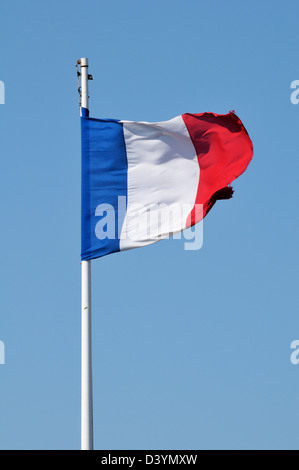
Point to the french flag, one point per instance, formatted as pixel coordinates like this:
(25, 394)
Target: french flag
(142, 182)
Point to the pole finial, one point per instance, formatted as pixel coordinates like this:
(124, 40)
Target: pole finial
(84, 62)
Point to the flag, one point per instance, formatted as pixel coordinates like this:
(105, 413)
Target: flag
(142, 181)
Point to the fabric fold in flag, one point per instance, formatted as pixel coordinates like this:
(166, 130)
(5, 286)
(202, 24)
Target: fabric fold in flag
(142, 182)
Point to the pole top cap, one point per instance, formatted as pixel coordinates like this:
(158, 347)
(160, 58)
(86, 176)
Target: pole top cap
(84, 62)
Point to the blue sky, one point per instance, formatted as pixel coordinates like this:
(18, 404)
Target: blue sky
(191, 350)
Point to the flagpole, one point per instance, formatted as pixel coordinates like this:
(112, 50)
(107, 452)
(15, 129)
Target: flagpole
(86, 349)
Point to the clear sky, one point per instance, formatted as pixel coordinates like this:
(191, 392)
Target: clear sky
(191, 350)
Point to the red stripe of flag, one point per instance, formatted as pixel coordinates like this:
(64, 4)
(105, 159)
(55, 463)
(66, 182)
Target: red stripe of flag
(224, 150)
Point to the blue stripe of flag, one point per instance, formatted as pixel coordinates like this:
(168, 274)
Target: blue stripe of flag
(104, 179)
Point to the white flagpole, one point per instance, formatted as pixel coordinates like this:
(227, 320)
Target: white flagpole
(86, 350)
